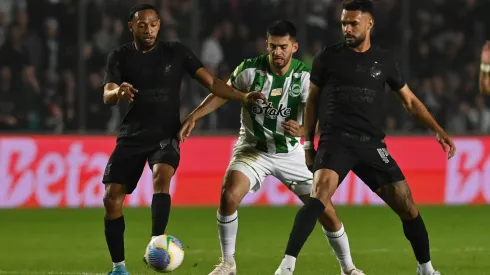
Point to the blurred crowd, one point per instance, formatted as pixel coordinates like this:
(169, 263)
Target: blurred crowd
(43, 88)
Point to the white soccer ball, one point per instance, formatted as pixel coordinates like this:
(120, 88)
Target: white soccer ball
(164, 254)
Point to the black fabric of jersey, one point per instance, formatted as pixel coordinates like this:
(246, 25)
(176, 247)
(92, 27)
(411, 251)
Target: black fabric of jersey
(352, 92)
(157, 75)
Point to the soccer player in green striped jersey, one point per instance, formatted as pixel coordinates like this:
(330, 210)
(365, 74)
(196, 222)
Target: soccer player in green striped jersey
(268, 143)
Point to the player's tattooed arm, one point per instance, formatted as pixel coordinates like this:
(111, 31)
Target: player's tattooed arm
(311, 112)
(418, 110)
(485, 69)
(219, 88)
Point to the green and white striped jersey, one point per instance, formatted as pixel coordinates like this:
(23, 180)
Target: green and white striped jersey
(261, 125)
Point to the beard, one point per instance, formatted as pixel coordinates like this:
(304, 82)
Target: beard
(280, 63)
(353, 41)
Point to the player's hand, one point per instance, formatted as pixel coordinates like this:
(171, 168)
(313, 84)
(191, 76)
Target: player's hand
(446, 141)
(126, 91)
(186, 129)
(293, 128)
(255, 98)
(485, 53)
(310, 155)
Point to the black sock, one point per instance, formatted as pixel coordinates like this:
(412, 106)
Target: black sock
(114, 236)
(416, 233)
(304, 223)
(160, 210)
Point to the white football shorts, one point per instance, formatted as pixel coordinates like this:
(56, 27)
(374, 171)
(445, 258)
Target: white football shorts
(289, 168)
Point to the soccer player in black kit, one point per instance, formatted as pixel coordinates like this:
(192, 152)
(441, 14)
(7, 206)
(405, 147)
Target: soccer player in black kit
(346, 95)
(148, 73)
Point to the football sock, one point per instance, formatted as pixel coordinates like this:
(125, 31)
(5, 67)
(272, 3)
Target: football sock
(340, 245)
(416, 233)
(228, 229)
(118, 264)
(114, 236)
(427, 268)
(160, 211)
(288, 262)
(304, 223)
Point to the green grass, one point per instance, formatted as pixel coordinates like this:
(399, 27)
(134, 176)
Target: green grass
(71, 241)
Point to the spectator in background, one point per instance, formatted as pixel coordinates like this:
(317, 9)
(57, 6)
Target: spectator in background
(15, 57)
(3, 29)
(212, 52)
(479, 116)
(9, 104)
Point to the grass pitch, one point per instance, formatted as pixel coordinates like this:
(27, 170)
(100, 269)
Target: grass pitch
(71, 241)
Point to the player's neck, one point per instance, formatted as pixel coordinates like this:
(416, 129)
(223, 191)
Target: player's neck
(141, 48)
(283, 71)
(364, 47)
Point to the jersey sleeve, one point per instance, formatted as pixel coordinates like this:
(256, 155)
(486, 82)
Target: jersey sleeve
(239, 79)
(112, 72)
(306, 87)
(318, 71)
(395, 78)
(190, 60)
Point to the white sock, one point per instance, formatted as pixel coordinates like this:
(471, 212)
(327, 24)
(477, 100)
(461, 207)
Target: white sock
(288, 262)
(427, 268)
(228, 229)
(114, 265)
(153, 237)
(340, 245)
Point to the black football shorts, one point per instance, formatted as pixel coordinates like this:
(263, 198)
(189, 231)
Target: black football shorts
(127, 162)
(373, 165)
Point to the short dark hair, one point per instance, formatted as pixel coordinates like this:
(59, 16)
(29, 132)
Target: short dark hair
(282, 28)
(140, 7)
(359, 5)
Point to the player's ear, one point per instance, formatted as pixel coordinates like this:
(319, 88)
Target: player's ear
(295, 46)
(370, 23)
(130, 26)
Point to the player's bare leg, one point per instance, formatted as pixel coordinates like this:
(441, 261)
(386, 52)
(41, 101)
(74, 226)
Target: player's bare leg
(337, 237)
(236, 186)
(114, 226)
(399, 197)
(319, 206)
(161, 201)
(325, 183)
(160, 204)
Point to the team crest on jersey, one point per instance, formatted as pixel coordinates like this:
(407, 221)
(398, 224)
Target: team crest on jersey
(294, 90)
(376, 70)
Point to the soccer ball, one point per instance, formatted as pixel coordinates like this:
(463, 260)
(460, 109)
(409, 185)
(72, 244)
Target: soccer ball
(164, 254)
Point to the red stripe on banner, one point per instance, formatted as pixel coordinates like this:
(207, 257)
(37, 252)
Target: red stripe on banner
(66, 171)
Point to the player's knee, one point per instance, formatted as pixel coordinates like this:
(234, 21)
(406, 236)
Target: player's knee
(325, 185)
(399, 196)
(230, 199)
(162, 176)
(113, 199)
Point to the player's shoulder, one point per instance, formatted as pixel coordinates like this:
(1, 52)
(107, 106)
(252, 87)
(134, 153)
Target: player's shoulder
(382, 54)
(123, 49)
(252, 64)
(330, 50)
(258, 62)
(334, 48)
(299, 66)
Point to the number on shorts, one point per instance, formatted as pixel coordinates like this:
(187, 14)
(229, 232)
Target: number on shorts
(383, 153)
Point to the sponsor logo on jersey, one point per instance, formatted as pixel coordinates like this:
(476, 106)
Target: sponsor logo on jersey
(270, 112)
(276, 92)
(294, 90)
